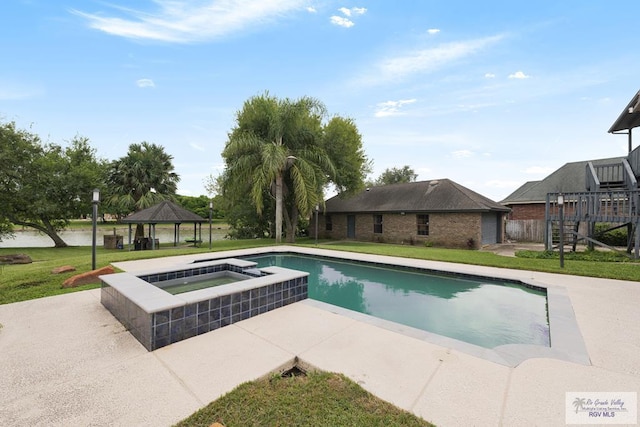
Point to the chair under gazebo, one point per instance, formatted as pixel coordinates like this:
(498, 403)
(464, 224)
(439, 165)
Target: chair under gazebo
(165, 212)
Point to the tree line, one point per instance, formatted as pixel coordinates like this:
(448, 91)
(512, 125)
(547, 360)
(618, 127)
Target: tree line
(45, 185)
(281, 157)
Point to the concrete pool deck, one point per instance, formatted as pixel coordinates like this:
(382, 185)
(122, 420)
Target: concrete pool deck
(67, 361)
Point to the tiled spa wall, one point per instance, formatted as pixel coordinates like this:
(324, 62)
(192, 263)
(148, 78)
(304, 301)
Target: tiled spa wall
(191, 272)
(156, 330)
(179, 323)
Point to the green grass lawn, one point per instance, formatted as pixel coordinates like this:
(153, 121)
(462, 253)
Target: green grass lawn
(27, 281)
(317, 399)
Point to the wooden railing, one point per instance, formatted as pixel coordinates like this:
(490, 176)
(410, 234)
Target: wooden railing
(613, 175)
(592, 181)
(630, 180)
(634, 161)
(610, 172)
(615, 206)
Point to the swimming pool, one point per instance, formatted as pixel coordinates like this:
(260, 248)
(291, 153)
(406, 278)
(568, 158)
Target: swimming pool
(476, 310)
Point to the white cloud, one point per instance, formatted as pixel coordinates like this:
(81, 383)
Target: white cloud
(518, 75)
(145, 83)
(341, 21)
(433, 30)
(345, 22)
(182, 21)
(425, 60)
(354, 10)
(392, 108)
(462, 154)
(490, 76)
(311, 9)
(196, 146)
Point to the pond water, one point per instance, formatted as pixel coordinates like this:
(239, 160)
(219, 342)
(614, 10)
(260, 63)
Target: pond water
(33, 239)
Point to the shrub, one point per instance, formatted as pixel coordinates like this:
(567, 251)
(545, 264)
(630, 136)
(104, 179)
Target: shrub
(617, 237)
(591, 256)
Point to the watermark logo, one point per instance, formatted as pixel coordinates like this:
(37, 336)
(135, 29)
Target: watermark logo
(601, 407)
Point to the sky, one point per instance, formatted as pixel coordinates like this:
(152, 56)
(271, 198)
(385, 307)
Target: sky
(488, 94)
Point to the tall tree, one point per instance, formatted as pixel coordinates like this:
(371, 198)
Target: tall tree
(279, 149)
(342, 141)
(397, 176)
(142, 178)
(42, 186)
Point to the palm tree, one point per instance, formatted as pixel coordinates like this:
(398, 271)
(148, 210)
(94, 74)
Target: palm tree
(141, 179)
(579, 403)
(276, 147)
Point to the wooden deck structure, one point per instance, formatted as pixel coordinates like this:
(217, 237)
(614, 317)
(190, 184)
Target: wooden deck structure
(611, 196)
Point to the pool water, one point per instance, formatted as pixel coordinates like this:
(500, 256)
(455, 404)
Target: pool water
(482, 312)
(188, 284)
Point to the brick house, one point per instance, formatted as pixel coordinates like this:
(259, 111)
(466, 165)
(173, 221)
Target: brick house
(528, 201)
(581, 181)
(526, 220)
(439, 212)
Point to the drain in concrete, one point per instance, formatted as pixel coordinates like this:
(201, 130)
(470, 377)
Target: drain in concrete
(296, 371)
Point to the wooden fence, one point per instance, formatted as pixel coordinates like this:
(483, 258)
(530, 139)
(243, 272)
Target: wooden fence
(525, 230)
(532, 230)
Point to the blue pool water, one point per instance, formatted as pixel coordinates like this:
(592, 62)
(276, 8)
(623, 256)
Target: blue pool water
(484, 312)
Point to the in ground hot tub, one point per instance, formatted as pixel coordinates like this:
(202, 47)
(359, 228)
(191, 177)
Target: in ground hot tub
(156, 317)
(194, 283)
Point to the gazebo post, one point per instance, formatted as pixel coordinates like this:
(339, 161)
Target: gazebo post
(129, 237)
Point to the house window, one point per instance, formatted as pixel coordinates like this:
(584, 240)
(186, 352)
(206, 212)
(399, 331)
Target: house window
(423, 225)
(328, 224)
(377, 224)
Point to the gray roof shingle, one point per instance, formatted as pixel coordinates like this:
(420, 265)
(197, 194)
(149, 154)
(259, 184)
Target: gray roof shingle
(442, 195)
(570, 178)
(164, 212)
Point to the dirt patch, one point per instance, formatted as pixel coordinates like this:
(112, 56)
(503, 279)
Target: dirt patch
(15, 259)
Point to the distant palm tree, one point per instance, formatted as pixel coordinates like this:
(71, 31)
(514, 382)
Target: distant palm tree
(141, 179)
(276, 148)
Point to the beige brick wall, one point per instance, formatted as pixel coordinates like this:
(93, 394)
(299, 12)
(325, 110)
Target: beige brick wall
(445, 229)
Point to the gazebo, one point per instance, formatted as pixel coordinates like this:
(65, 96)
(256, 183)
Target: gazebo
(165, 212)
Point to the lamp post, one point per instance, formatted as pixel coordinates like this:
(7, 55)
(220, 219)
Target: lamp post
(561, 213)
(317, 209)
(95, 199)
(210, 217)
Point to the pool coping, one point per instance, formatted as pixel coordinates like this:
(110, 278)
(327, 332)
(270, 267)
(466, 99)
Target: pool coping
(567, 342)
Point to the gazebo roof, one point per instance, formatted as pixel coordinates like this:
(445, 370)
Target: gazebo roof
(164, 212)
